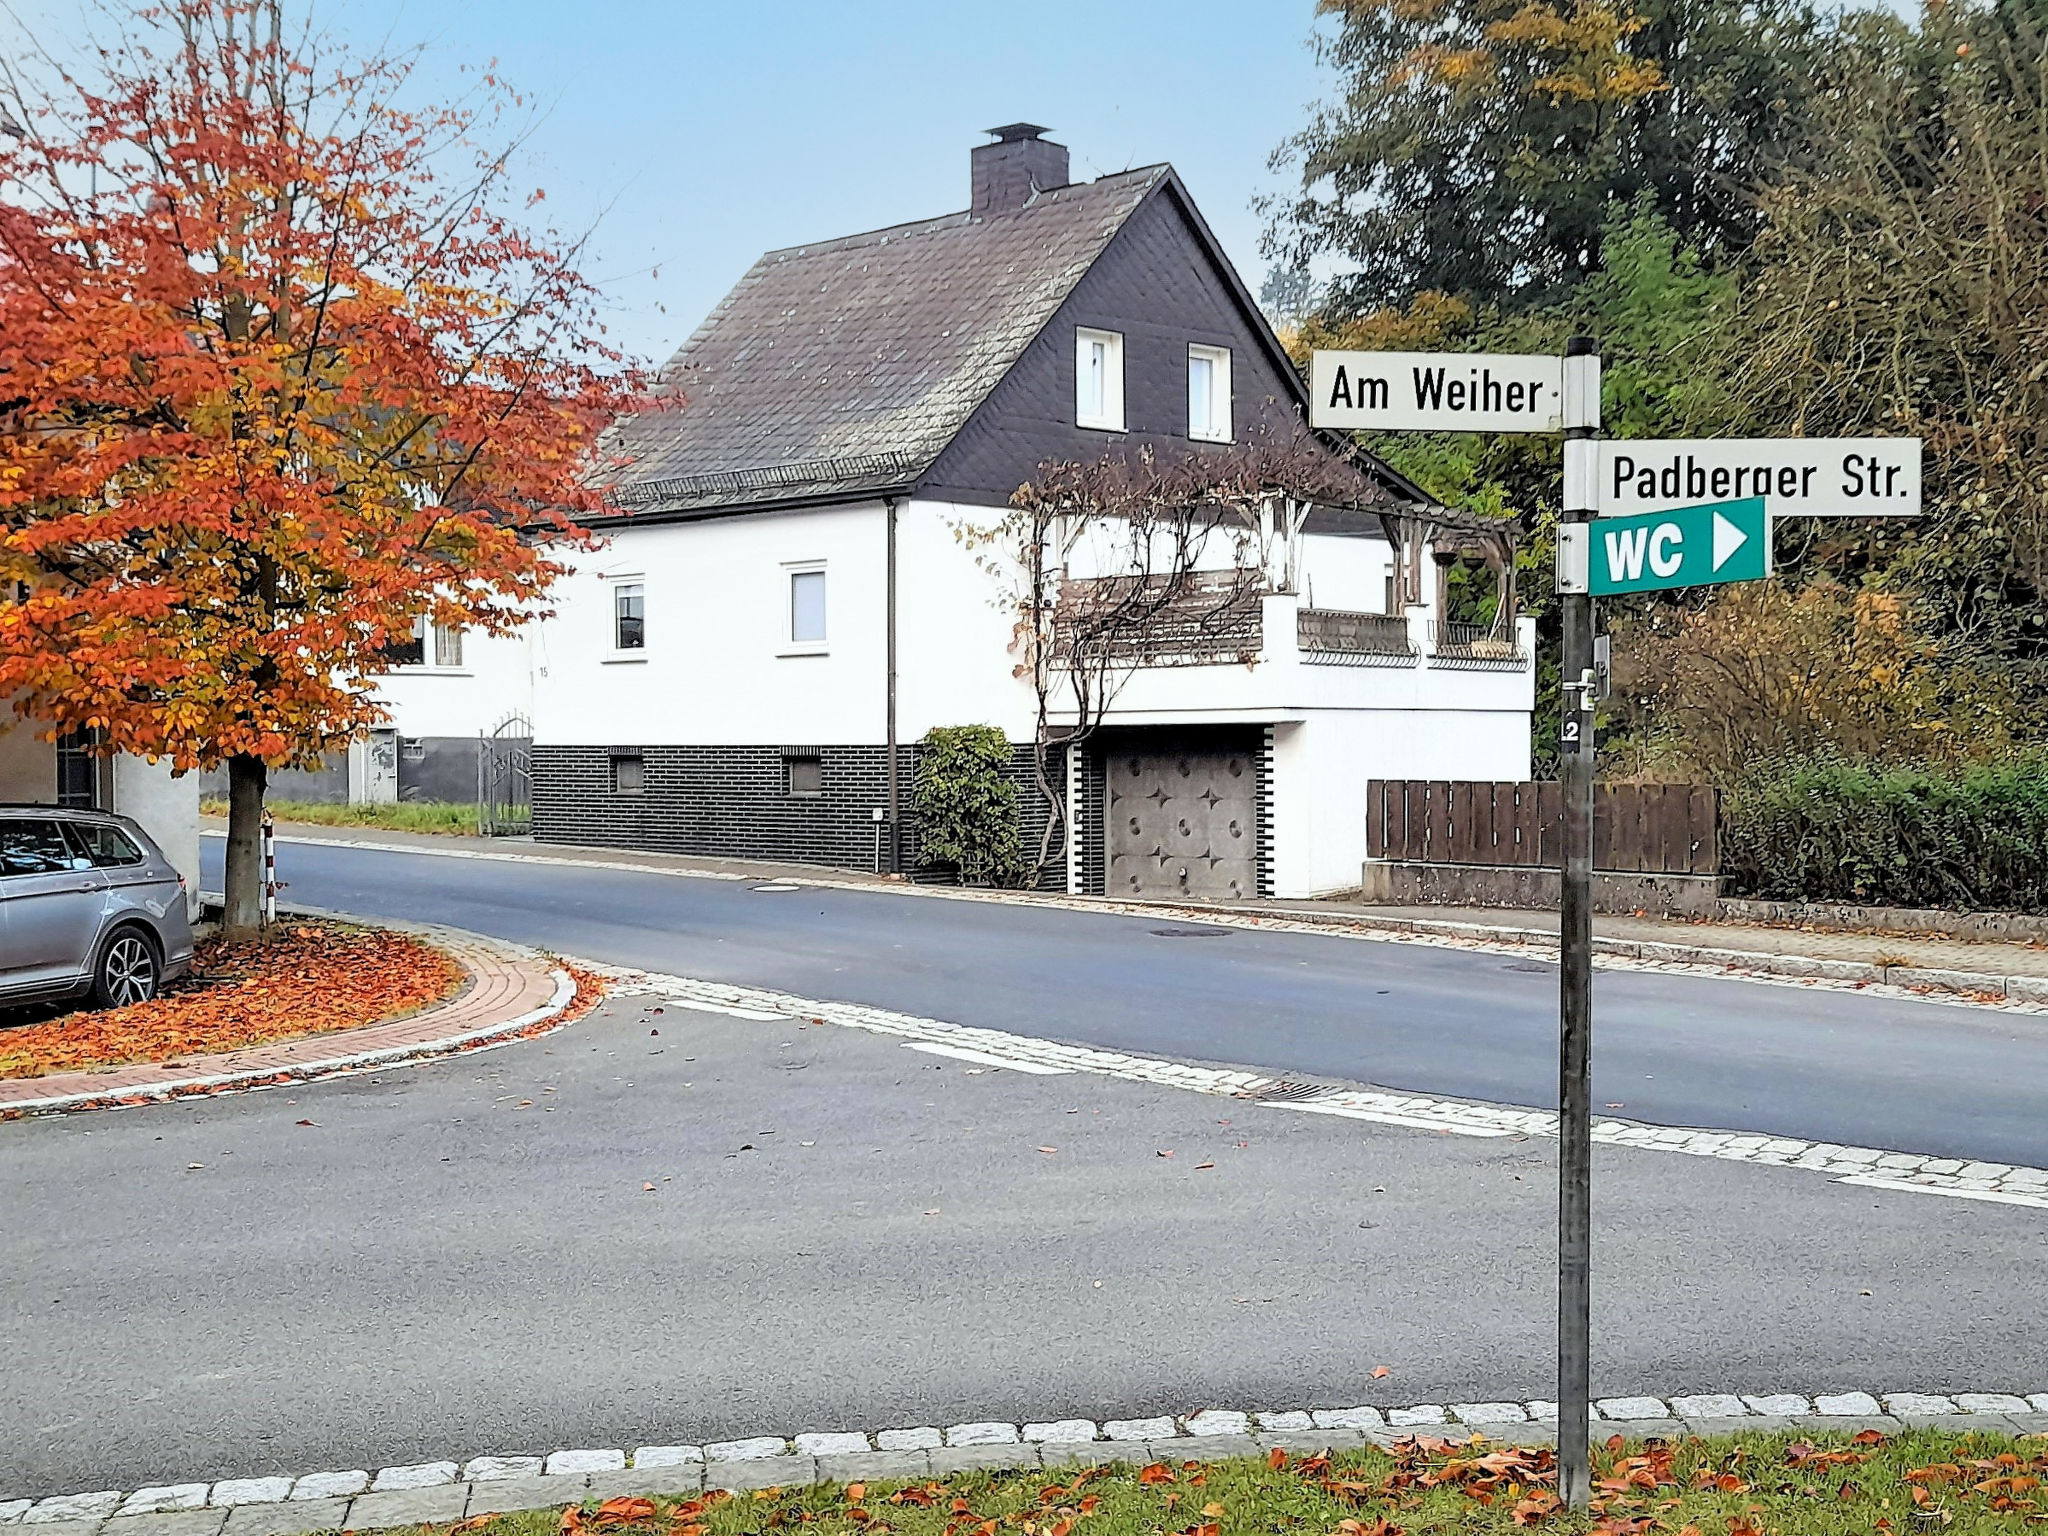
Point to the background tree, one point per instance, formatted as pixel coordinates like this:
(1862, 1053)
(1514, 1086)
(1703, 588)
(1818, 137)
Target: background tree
(1479, 147)
(281, 379)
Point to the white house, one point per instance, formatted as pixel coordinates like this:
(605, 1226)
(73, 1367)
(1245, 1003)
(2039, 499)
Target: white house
(449, 691)
(786, 604)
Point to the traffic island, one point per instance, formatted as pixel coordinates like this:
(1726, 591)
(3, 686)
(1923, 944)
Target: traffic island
(319, 996)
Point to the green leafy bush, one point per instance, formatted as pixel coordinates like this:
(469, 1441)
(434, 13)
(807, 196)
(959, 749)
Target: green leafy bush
(966, 804)
(1972, 837)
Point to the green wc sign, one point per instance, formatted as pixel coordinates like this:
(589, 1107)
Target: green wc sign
(1657, 551)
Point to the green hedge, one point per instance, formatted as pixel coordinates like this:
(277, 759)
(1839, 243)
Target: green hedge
(1973, 838)
(966, 804)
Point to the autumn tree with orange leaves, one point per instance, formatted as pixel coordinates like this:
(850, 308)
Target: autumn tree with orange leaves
(281, 376)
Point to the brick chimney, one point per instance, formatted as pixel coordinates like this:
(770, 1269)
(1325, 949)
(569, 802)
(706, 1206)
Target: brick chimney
(1020, 163)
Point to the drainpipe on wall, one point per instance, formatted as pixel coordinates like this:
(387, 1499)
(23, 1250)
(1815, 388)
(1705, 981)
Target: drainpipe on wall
(895, 851)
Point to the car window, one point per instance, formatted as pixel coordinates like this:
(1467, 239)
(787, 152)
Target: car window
(37, 847)
(107, 847)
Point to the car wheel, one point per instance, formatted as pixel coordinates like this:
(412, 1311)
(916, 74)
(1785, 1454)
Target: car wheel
(128, 970)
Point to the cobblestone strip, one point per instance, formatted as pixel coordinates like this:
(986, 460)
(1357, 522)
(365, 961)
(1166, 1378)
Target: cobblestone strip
(1954, 988)
(1870, 1167)
(509, 990)
(446, 1491)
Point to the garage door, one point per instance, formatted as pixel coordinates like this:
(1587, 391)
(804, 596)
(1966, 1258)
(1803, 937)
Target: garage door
(1182, 820)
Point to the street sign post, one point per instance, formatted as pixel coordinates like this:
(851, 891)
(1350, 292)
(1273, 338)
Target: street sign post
(1661, 551)
(1637, 516)
(1799, 476)
(1436, 392)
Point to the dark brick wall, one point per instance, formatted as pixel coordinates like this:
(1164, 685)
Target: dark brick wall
(731, 802)
(1156, 285)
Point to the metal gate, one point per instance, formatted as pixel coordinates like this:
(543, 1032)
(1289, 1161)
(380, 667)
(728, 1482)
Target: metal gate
(1183, 820)
(504, 779)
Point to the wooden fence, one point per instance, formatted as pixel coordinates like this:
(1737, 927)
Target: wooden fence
(1637, 828)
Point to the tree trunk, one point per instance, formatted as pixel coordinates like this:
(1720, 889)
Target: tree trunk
(243, 915)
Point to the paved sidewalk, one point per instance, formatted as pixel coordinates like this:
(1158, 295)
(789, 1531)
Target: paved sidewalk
(1991, 969)
(507, 989)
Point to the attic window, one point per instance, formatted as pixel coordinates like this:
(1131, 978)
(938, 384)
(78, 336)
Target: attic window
(1209, 393)
(1099, 380)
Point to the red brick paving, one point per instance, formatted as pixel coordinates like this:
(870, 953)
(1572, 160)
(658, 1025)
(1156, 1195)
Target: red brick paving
(502, 986)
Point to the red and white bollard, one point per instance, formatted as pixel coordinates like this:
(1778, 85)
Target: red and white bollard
(269, 870)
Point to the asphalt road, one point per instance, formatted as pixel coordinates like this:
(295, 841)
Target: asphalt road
(1679, 1050)
(461, 1257)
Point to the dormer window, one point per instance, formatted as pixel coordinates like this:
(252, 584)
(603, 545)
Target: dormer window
(1099, 380)
(1209, 393)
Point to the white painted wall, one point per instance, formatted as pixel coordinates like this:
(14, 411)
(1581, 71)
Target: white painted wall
(166, 805)
(955, 626)
(718, 667)
(494, 680)
(1346, 573)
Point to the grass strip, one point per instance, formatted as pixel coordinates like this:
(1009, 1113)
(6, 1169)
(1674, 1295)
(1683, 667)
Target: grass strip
(1961, 1484)
(400, 816)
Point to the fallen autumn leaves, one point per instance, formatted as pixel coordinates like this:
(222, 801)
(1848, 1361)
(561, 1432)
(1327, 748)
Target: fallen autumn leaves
(1750, 1485)
(306, 979)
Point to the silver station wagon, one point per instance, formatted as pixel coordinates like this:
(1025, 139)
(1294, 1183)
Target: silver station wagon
(89, 907)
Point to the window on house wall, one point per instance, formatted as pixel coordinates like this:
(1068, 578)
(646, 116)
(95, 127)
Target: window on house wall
(804, 775)
(807, 607)
(447, 645)
(78, 771)
(629, 773)
(1099, 380)
(629, 616)
(411, 651)
(1209, 393)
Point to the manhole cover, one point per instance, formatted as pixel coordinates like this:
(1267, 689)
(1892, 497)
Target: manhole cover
(1191, 933)
(1528, 965)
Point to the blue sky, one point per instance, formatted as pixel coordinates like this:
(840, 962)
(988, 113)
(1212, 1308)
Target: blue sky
(699, 134)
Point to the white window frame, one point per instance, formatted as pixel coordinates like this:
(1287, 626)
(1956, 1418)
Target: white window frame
(615, 583)
(791, 646)
(1106, 414)
(1217, 428)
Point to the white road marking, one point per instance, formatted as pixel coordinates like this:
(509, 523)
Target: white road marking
(1870, 1167)
(986, 1058)
(1907, 1186)
(759, 1015)
(1387, 1117)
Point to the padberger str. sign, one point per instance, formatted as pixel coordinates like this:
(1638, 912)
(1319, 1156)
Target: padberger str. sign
(1799, 476)
(1436, 391)
(1657, 551)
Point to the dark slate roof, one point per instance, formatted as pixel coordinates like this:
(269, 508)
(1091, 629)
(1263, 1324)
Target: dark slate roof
(846, 367)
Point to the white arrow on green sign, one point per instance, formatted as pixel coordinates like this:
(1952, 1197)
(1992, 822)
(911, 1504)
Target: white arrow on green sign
(1685, 547)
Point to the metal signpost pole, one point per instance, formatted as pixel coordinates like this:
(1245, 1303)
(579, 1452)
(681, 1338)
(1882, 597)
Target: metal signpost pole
(1575, 991)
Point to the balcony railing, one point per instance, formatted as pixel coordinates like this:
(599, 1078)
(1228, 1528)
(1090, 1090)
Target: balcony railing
(1208, 623)
(1454, 644)
(1336, 637)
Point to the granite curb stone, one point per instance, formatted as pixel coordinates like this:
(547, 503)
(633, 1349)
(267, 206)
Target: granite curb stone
(430, 1505)
(434, 1492)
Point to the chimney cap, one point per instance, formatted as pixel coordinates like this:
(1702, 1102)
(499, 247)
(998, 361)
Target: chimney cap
(1010, 133)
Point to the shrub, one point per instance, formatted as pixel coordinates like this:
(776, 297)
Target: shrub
(966, 804)
(1830, 829)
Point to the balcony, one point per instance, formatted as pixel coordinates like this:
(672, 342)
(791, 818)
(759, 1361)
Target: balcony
(1475, 646)
(1337, 637)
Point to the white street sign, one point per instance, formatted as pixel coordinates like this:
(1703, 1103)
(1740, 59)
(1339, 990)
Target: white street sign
(1436, 391)
(1799, 476)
